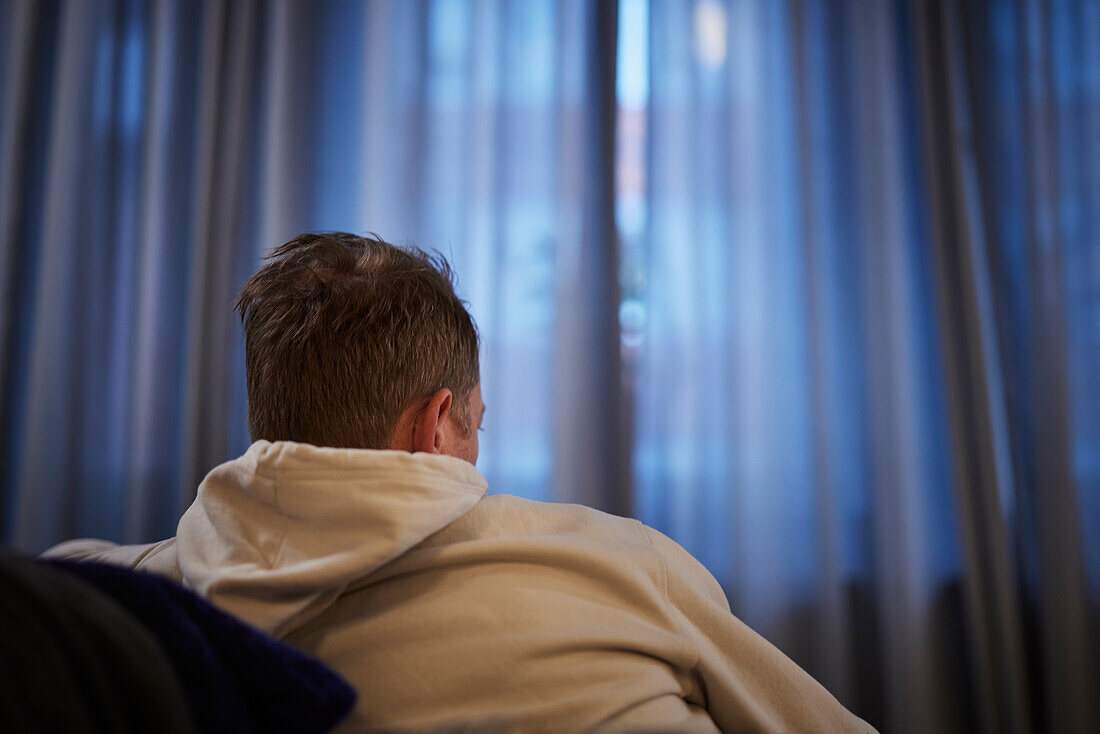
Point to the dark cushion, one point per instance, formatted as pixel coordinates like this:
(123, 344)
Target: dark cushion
(234, 677)
(72, 660)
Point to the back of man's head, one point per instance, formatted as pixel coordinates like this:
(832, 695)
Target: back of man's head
(343, 333)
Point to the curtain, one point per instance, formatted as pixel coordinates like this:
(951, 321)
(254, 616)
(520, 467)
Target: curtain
(790, 419)
(812, 286)
(1015, 124)
(154, 151)
(860, 309)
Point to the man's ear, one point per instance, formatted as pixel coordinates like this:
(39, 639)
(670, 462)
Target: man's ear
(429, 425)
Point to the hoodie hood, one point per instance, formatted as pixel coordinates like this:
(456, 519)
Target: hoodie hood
(277, 535)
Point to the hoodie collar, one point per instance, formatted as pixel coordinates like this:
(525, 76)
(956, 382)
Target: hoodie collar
(278, 534)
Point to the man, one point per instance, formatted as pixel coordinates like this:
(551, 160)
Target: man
(357, 529)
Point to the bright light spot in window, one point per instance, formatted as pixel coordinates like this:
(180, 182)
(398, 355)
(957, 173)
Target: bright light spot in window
(632, 318)
(630, 213)
(632, 77)
(710, 33)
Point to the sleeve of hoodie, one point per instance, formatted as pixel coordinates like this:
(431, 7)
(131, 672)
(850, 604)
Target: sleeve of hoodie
(748, 683)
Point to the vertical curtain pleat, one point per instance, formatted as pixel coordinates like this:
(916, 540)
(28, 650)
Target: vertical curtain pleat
(984, 480)
(147, 478)
(590, 458)
(22, 130)
(48, 467)
(834, 637)
(16, 106)
(897, 472)
(1070, 672)
(285, 128)
(157, 493)
(225, 116)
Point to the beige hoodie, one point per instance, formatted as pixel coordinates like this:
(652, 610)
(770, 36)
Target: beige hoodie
(446, 608)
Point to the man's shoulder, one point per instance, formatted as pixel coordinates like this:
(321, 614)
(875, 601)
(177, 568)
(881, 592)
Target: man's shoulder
(511, 514)
(627, 539)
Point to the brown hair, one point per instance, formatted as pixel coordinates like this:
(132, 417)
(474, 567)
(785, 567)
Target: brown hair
(343, 333)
